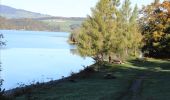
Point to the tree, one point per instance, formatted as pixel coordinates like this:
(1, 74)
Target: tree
(156, 29)
(110, 31)
(74, 35)
(128, 34)
(136, 36)
(95, 32)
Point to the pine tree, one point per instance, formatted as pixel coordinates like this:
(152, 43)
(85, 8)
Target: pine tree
(110, 32)
(96, 30)
(136, 40)
(128, 34)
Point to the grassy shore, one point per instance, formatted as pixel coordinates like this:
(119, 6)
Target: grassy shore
(145, 80)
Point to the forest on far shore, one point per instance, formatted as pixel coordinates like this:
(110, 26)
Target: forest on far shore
(26, 24)
(53, 24)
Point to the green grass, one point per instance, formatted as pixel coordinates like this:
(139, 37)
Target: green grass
(93, 86)
(156, 86)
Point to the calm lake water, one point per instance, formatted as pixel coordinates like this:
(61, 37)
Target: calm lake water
(37, 56)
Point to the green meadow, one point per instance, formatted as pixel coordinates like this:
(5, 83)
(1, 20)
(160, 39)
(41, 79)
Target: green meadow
(92, 83)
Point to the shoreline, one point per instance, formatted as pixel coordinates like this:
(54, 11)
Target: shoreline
(110, 82)
(69, 78)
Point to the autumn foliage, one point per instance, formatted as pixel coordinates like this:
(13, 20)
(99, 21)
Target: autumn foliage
(155, 26)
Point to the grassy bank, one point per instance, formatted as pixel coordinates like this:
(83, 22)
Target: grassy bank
(112, 82)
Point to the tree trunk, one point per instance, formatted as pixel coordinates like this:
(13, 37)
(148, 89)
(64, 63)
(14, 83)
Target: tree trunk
(110, 59)
(126, 50)
(135, 52)
(102, 57)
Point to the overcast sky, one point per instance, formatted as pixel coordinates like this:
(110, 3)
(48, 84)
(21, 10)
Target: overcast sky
(65, 8)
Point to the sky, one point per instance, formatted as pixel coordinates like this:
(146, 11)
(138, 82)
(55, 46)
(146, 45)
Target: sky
(65, 8)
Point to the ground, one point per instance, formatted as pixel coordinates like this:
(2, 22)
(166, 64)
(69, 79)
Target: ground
(144, 80)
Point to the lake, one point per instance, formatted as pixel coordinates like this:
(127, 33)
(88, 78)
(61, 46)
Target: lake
(37, 56)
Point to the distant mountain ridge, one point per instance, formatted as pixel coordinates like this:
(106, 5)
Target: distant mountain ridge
(10, 12)
(12, 18)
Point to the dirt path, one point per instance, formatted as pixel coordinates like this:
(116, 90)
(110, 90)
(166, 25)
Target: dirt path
(133, 92)
(136, 88)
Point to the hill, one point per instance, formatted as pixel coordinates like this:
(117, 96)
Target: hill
(26, 24)
(12, 18)
(10, 12)
(66, 24)
(47, 24)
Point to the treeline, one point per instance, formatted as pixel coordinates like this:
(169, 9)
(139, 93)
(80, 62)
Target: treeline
(115, 30)
(63, 18)
(26, 24)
